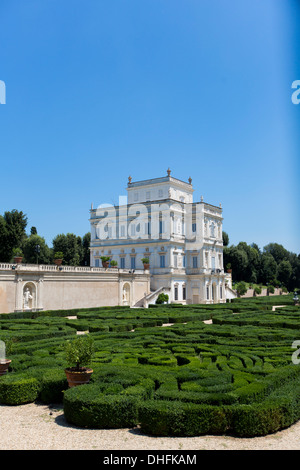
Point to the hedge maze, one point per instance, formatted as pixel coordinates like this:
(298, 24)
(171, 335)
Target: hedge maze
(173, 370)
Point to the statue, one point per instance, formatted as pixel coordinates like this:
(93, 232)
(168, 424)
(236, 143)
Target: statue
(168, 171)
(126, 294)
(26, 297)
(129, 179)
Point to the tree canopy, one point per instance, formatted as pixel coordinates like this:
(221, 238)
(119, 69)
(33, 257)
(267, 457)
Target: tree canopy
(13, 236)
(273, 265)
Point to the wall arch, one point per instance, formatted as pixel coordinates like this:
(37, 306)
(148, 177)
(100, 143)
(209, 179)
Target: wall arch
(126, 293)
(29, 296)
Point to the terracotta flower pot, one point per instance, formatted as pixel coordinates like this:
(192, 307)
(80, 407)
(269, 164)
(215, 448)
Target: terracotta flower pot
(18, 259)
(58, 262)
(146, 265)
(4, 365)
(105, 264)
(78, 377)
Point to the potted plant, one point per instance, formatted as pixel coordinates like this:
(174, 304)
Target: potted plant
(58, 258)
(17, 255)
(79, 353)
(105, 261)
(113, 263)
(228, 267)
(145, 262)
(5, 363)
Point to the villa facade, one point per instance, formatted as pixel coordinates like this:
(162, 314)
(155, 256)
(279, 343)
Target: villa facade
(181, 238)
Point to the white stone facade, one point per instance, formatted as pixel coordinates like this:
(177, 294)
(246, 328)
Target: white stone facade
(182, 239)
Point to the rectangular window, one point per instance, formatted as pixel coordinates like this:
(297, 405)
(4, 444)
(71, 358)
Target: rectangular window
(183, 261)
(97, 263)
(132, 262)
(162, 260)
(213, 263)
(194, 227)
(175, 261)
(195, 261)
(207, 293)
(176, 293)
(122, 230)
(147, 228)
(161, 226)
(183, 293)
(122, 263)
(221, 292)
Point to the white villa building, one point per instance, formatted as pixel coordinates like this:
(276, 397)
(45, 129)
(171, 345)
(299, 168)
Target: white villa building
(181, 238)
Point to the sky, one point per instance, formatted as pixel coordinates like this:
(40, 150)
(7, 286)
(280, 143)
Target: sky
(100, 90)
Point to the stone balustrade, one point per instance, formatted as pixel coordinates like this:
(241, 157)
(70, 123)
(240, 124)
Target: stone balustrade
(55, 268)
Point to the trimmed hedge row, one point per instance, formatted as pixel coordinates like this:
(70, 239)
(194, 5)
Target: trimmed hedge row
(26, 387)
(234, 375)
(86, 406)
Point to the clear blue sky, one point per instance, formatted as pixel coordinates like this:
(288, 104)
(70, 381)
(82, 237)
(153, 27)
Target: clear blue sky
(100, 90)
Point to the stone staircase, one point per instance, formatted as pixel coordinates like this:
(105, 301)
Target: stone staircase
(151, 298)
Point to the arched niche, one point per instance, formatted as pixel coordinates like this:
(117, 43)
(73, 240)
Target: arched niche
(29, 296)
(126, 294)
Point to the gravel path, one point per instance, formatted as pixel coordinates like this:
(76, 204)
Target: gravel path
(38, 427)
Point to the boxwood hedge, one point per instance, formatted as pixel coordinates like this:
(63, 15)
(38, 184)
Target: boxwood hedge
(233, 375)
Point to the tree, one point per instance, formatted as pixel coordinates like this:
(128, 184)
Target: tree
(71, 246)
(284, 272)
(225, 238)
(12, 232)
(4, 252)
(238, 259)
(241, 288)
(278, 252)
(162, 298)
(33, 231)
(86, 240)
(294, 280)
(30, 252)
(268, 268)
